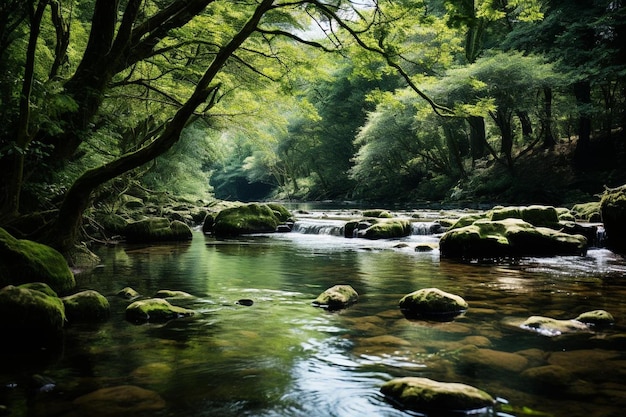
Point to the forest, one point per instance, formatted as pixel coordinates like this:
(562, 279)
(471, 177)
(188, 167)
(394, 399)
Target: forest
(413, 102)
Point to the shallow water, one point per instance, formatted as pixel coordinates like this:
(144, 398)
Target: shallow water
(283, 357)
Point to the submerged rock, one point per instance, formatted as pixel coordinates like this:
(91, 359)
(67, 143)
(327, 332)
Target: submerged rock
(86, 305)
(23, 261)
(432, 303)
(172, 294)
(596, 318)
(424, 395)
(339, 296)
(155, 310)
(123, 400)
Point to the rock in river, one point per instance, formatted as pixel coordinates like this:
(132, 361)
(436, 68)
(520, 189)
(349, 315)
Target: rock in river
(337, 297)
(423, 394)
(432, 303)
(155, 310)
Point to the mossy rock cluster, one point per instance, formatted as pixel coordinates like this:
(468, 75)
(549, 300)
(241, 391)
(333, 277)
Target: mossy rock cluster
(585, 322)
(247, 219)
(157, 229)
(508, 237)
(613, 209)
(23, 261)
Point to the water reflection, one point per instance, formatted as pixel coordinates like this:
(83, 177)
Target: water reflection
(280, 356)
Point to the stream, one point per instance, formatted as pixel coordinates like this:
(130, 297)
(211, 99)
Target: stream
(281, 356)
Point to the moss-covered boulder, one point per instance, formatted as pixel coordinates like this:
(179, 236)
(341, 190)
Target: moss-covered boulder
(86, 306)
(545, 216)
(485, 239)
(30, 318)
(337, 297)
(157, 229)
(432, 303)
(613, 210)
(113, 224)
(378, 213)
(155, 310)
(23, 261)
(427, 395)
(387, 229)
(247, 219)
(587, 212)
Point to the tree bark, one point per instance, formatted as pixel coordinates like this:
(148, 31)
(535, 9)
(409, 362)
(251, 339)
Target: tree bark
(546, 121)
(582, 92)
(478, 137)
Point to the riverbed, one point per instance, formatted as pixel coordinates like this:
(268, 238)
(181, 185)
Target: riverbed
(280, 356)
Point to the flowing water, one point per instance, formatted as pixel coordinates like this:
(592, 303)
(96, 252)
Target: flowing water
(281, 356)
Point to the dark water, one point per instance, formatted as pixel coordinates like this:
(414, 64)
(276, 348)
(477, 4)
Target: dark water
(283, 357)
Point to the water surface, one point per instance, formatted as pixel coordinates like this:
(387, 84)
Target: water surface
(283, 357)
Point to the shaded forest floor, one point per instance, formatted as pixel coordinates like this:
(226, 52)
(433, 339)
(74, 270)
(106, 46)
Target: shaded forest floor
(553, 177)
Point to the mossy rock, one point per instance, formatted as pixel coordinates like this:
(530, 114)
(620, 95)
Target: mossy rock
(280, 211)
(468, 220)
(337, 297)
(508, 238)
(536, 215)
(599, 318)
(87, 306)
(432, 303)
(547, 326)
(112, 223)
(30, 318)
(172, 294)
(128, 293)
(613, 210)
(157, 229)
(565, 215)
(427, 395)
(23, 261)
(247, 219)
(387, 229)
(377, 213)
(155, 310)
(587, 212)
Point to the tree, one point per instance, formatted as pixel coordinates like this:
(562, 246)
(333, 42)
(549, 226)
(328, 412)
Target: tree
(128, 48)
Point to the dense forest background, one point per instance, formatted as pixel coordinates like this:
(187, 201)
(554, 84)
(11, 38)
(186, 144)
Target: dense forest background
(396, 102)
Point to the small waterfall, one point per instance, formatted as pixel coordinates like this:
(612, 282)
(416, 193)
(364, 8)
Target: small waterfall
(319, 227)
(426, 228)
(334, 227)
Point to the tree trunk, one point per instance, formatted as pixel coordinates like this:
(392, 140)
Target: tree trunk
(546, 120)
(15, 177)
(582, 92)
(478, 137)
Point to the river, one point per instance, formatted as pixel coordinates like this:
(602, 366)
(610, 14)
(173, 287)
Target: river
(281, 356)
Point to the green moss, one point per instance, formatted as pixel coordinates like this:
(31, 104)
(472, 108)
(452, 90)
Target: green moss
(157, 229)
(23, 261)
(588, 212)
(613, 209)
(280, 211)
